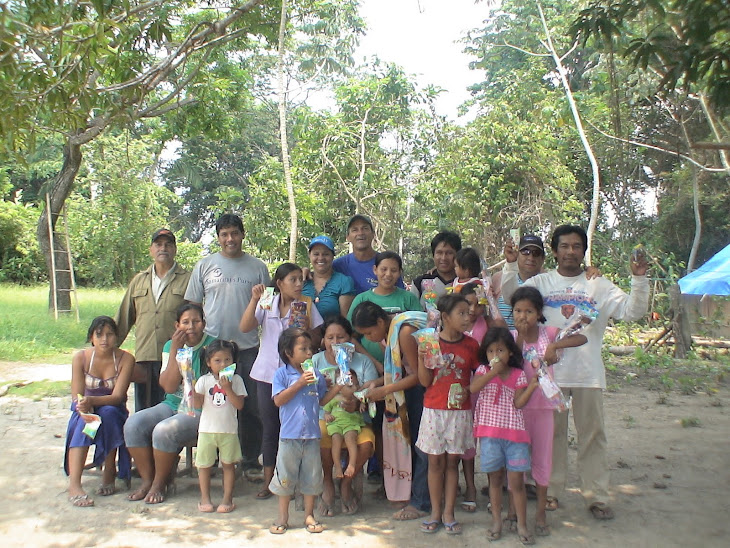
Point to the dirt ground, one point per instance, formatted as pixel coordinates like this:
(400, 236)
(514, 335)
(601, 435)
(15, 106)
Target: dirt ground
(668, 485)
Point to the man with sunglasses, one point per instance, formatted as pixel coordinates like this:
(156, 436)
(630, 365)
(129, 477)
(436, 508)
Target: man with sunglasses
(530, 260)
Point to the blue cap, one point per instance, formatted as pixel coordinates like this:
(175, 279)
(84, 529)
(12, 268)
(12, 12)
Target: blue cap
(324, 240)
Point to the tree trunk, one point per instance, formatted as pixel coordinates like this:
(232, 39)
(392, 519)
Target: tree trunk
(59, 192)
(283, 134)
(680, 324)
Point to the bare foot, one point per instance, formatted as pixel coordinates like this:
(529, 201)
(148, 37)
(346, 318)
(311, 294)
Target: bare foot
(350, 471)
(206, 507)
(140, 493)
(338, 472)
(409, 512)
(154, 497)
(224, 508)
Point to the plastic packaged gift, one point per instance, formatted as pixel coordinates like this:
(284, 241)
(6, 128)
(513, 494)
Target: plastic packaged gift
(343, 357)
(428, 343)
(184, 359)
(329, 372)
(456, 396)
(308, 365)
(267, 298)
(549, 387)
(298, 315)
(228, 372)
(488, 298)
(93, 422)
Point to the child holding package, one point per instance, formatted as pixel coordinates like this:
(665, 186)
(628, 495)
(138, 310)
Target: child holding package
(298, 394)
(344, 426)
(499, 425)
(220, 396)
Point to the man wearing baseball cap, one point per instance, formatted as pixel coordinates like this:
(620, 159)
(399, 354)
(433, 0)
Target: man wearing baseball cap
(359, 264)
(151, 303)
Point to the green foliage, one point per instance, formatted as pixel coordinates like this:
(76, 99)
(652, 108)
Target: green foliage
(30, 334)
(116, 209)
(20, 259)
(41, 389)
(690, 422)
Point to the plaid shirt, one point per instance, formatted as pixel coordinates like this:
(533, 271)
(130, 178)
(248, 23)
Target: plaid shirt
(495, 415)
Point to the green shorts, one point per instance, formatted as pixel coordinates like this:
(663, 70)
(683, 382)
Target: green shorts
(226, 446)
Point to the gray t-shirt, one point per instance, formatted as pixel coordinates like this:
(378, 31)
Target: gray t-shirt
(224, 285)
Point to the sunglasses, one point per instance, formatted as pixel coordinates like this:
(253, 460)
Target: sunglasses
(531, 251)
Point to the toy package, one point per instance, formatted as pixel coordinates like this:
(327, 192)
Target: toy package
(456, 396)
(362, 395)
(298, 315)
(428, 343)
(308, 365)
(433, 316)
(485, 296)
(343, 357)
(549, 387)
(184, 359)
(329, 372)
(92, 421)
(267, 298)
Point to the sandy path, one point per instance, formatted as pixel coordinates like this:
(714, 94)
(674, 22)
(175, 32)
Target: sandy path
(647, 445)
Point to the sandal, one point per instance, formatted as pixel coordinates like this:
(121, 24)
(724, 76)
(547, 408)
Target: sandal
(552, 504)
(430, 527)
(542, 530)
(81, 501)
(527, 540)
(601, 510)
(106, 489)
(278, 529)
(226, 508)
(264, 494)
(453, 528)
(206, 508)
(469, 506)
(315, 527)
(493, 536)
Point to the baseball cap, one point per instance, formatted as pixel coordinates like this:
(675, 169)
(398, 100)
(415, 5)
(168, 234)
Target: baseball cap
(362, 218)
(530, 240)
(324, 240)
(163, 232)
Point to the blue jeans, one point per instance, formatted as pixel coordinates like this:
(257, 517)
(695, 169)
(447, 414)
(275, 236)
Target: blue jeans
(420, 497)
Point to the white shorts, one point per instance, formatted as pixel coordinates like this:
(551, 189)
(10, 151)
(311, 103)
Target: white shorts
(445, 431)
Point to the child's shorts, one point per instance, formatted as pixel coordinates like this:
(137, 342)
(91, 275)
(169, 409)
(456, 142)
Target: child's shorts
(342, 429)
(498, 453)
(298, 462)
(445, 431)
(209, 445)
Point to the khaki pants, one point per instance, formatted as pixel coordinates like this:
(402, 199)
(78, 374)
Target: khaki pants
(592, 446)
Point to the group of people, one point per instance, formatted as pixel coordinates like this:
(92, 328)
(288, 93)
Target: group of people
(283, 335)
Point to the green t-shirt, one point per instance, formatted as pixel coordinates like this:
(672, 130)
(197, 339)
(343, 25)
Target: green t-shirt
(173, 400)
(395, 303)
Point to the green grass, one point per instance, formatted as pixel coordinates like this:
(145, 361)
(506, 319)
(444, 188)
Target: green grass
(29, 333)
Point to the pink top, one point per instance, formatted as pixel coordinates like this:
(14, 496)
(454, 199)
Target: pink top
(545, 336)
(478, 330)
(495, 415)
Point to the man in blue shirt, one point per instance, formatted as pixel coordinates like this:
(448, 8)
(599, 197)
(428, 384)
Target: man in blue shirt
(359, 264)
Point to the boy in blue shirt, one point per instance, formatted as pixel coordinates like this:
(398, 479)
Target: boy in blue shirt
(298, 394)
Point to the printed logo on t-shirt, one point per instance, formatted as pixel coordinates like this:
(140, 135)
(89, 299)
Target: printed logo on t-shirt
(218, 396)
(567, 301)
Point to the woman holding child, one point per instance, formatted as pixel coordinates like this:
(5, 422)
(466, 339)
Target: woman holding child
(337, 330)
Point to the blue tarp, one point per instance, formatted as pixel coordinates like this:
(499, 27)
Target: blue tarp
(712, 278)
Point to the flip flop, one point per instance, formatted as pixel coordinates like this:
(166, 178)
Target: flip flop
(453, 528)
(469, 506)
(206, 508)
(226, 508)
(81, 501)
(315, 527)
(278, 529)
(601, 511)
(264, 494)
(493, 536)
(552, 504)
(542, 530)
(431, 527)
(105, 490)
(527, 540)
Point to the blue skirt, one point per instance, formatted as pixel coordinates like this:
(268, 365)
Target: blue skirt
(110, 436)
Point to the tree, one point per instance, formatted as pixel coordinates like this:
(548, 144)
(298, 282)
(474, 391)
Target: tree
(77, 69)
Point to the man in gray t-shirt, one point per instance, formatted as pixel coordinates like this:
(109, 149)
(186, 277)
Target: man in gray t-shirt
(222, 283)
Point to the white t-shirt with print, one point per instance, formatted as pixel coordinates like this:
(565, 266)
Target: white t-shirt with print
(218, 416)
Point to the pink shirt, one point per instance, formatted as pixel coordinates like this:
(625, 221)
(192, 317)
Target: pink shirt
(478, 330)
(495, 415)
(545, 336)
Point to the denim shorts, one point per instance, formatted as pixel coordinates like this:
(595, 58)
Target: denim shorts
(298, 463)
(498, 453)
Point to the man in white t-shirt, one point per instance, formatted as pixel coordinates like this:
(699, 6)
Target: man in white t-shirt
(222, 283)
(581, 373)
